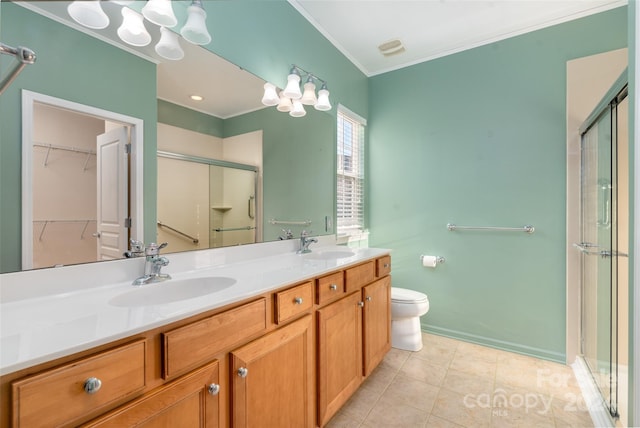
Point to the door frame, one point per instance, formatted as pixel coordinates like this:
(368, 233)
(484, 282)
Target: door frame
(29, 98)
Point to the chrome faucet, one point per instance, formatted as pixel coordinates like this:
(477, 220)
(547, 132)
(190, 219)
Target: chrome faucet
(152, 265)
(305, 241)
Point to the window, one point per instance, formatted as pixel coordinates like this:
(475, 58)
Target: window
(350, 172)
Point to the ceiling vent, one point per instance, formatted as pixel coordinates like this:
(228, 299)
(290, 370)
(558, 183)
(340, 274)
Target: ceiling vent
(392, 47)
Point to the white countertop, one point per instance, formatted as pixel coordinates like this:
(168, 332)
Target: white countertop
(42, 327)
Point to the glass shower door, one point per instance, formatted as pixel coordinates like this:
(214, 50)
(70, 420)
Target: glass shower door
(599, 248)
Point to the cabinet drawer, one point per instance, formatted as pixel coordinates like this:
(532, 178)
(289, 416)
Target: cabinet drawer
(383, 266)
(193, 344)
(358, 276)
(329, 288)
(57, 397)
(293, 301)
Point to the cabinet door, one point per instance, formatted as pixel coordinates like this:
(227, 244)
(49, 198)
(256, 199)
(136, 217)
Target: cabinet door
(191, 401)
(272, 379)
(339, 354)
(376, 323)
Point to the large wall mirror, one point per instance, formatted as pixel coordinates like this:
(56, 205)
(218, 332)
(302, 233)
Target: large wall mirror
(202, 174)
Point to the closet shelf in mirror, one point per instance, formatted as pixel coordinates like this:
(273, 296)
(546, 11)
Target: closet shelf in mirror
(47, 222)
(50, 147)
(221, 208)
(291, 223)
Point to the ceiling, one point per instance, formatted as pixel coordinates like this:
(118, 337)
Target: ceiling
(430, 29)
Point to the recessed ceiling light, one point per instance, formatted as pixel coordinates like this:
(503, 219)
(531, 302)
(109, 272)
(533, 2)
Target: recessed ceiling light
(197, 97)
(392, 47)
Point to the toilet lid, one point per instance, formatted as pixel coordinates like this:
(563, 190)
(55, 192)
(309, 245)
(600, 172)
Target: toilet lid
(406, 296)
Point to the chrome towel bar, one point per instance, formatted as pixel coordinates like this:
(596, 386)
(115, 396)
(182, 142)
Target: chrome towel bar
(292, 223)
(528, 228)
(184, 235)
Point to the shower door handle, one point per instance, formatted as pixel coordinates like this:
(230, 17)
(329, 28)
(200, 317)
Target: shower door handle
(584, 247)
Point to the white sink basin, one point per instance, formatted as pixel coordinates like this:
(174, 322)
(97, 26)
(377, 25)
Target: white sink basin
(172, 291)
(329, 254)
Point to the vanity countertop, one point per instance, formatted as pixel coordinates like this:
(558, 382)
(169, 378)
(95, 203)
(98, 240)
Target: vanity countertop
(45, 327)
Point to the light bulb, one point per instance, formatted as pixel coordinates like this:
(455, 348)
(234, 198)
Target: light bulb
(323, 103)
(160, 12)
(270, 97)
(169, 46)
(293, 85)
(132, 30)
(309, 96)
(285, 104)
(298, 109)
(89, 14)
(195, 29)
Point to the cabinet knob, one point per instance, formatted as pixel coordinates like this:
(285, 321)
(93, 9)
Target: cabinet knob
(333, 287)
(298, 300)
(92, 385)
(243, 372)
(213, 389)
(369, 298)
(361, 304)
(386, 265)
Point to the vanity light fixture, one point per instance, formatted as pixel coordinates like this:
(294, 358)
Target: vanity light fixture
(169, 46)
(89, 14)
(132, 30)
(291, 100)
(160, 12)
(195, 29)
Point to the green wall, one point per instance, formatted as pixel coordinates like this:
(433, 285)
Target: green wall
(298, 161)
(97, 78)
(479, 138)
(298, 167)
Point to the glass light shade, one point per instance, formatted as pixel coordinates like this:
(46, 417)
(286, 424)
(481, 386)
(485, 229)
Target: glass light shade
(270, 97)
(298, 109)
(132, 30)
(89, 14)
(169, 46)
(160, 12)
(285, 105)
(323, 103)
(293, 87)
(309, 95)
(195, 29)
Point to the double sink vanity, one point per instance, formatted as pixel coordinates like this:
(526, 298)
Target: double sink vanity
(239, 336)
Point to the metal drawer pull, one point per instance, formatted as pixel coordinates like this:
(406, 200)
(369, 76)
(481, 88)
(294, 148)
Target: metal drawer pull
(333, 287)
(361, 304)
(213, 389)
(298, 300)
(92, 385)
(243, 372)
(369, 298)
(386, 265)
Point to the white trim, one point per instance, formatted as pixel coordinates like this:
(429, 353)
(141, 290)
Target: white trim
(355, 116)
(137, 157)
(592, 397)
(634, 390)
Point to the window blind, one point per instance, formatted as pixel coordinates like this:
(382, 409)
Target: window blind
(350, 173)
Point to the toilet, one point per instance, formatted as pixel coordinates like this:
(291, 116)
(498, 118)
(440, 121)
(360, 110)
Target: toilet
(407, 306)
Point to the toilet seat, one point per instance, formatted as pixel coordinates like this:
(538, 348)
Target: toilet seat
(403, 295)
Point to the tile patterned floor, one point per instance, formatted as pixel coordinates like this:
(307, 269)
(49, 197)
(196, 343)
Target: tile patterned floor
(450, 383)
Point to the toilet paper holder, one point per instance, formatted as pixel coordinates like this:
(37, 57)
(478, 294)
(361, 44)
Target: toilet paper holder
(439, 259)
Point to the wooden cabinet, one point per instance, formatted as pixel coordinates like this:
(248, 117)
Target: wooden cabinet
(376, 323)
(189, 402)
(339, 354)
(287, 357)
(354, 334)
(272, 379)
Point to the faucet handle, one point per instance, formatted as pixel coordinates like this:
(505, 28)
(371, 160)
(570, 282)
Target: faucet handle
(136, 246)
(153, 249)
